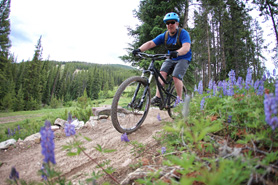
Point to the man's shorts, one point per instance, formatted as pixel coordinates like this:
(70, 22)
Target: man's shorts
(177, 68)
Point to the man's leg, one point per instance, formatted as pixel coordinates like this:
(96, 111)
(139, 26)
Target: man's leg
(164, 74)
(178, 85)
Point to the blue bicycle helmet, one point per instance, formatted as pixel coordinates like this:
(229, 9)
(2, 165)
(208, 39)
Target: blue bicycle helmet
(171, 16)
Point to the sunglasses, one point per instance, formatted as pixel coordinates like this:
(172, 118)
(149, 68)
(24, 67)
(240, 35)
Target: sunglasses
(171, 22)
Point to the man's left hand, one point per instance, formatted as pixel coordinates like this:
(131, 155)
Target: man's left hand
(174, 54)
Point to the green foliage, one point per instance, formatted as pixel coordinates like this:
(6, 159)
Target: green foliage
(54, 103)
(82, 114)
(228, 172)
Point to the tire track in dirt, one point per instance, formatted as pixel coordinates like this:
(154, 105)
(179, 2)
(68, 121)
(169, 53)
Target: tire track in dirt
(27, 158)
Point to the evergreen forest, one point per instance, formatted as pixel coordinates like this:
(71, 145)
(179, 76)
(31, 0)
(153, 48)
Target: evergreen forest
(223, 34)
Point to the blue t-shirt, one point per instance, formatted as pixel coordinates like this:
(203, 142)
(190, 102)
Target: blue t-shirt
(184, 37)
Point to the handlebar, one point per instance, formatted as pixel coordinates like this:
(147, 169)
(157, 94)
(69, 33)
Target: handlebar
(153, 56)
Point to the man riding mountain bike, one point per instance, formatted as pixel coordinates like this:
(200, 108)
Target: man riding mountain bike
(177, 41)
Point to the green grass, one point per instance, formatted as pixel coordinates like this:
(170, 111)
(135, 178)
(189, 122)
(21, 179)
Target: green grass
(30, 121)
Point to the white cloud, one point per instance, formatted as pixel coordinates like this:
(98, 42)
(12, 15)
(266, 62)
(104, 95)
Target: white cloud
(84, 30)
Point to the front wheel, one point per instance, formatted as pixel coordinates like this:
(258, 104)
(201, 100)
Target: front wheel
(130, 105)
(173, 102)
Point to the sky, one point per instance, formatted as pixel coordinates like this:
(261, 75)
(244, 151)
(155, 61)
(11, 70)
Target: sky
(84, 30)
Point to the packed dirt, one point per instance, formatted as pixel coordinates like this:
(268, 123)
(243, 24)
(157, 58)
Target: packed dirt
(9, 119)
(27, 157)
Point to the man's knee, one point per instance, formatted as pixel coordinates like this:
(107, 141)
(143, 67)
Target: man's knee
(176, 79)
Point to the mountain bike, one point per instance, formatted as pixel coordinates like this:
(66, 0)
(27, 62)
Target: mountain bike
(131, 102)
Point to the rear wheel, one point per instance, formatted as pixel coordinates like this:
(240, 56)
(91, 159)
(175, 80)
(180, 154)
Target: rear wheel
(128, 112)
(173, 102)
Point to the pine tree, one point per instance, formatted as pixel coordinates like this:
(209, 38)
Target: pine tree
(5, 44)
(32, 83)
(19, 102)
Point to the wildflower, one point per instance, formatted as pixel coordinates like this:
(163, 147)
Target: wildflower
(261, 88)
(239, 82)
(210, 86)
(267, 108)
(69, 118)
(69, 129)
(163, 150)
(225, 88)
(271, 110)
(274, 122)
(268, 73)
(44, 172)
(276, 89)
(231, 89)
(232, 77)
(248, 81)
(264, 77)
(214, 89)
(124, 138)
(9, 132)
(274, 72)
(195, 88)
(202, 104)
(200, 87)
(158, 117)
(14, 174)
(229, 119)
(47, 143)
(256, 84)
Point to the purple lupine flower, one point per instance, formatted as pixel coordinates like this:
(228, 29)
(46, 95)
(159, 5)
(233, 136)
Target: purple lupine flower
(274, 122)
(44, 172)
(9, 132)
(232, 77)
(229, 119)
(276, 89)
(267, 107)
(268, 73)
(271, 110)
(163, 150)
(248, 80)
(274, 72)
(210, 86)
(14, 175)
(202, 104)
(69, 129)
(124, 138)
(69, 118)
(239, 82)
(158, 117)
(256, 84)
(261, 88)
(231, 89)
(264, 77)
(200, 87)
(214, 89)
(195, 88)
(225, 88)
(47, 143)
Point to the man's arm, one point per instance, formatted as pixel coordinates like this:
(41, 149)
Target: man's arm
(184, 49)
(148, 45)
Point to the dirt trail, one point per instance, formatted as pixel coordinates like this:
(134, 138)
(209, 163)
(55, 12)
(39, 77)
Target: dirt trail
(9, 119)
(27, 157)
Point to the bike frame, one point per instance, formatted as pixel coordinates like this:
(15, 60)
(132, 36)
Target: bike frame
(164, 93)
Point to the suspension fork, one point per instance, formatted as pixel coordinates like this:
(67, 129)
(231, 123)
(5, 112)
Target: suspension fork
(139, 106)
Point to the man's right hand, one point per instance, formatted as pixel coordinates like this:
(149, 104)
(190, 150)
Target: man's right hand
(134, 52)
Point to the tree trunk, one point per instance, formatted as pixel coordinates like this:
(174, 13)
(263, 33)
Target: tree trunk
(185, 21)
